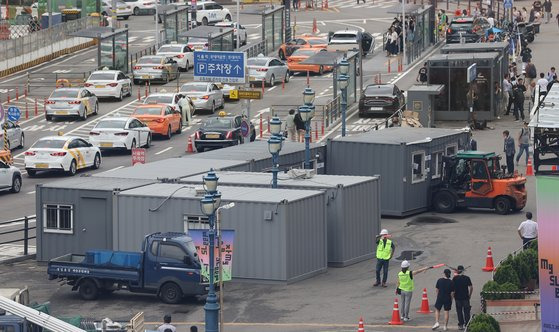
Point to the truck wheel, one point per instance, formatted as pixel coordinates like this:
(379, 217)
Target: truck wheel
(502, 205)
(170, 293)
(444, 202)
(88, 290)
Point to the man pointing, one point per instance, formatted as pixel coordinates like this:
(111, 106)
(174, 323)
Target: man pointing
(385, 251)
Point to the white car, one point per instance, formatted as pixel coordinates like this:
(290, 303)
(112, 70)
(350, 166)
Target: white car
(142, 6)
(16, 138)
(120, 133)
(197, 43)
(181, 53)
(204, 95)
(123, 10)
(211, 12)
(236, 27)
(109, 83)
(178, 101)
(10, 178)
(345, 40)
(61, 153)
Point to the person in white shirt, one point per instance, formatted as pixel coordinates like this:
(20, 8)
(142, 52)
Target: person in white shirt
(491, 21)
(542, 82)
(528, 230)
(166, 327)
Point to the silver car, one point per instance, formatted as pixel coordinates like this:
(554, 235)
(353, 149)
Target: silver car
(123, 10)
(241, 30)
(268, 69)
(155, 68)
(15, 136)
(205, 96)
(71, 102)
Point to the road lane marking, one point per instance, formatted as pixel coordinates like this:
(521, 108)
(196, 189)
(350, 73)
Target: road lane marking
(164, 150)
(31, 192)
(272, 88)
(114, 169)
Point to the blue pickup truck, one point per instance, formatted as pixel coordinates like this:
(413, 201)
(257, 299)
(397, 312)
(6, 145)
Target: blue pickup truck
(167, 266)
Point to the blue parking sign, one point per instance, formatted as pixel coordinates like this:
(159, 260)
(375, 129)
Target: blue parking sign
(14, 114)
(216, 66)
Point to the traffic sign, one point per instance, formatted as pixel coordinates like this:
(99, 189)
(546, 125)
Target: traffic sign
(245, 128)
(471, 73)
(224, 67)
(138, 156)
(14, 114)
(245, 94)
(508, 4)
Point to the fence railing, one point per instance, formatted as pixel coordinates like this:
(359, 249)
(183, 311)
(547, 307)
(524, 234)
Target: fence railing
(253, 49)
(21, 228)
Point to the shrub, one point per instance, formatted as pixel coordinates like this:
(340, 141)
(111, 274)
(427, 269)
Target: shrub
(492, 286)
(480, 327)
(533, 245)
(506, 273)
(531, 257)
(520, 264)
(486, 321)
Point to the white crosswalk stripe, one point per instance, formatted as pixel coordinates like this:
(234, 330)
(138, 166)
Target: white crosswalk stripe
(369, 4)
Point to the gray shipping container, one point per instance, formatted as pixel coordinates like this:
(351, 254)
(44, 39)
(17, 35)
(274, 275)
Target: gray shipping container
(280, 234)
(76, 214)
(292, 155)
(408, 161)
(175, 168)
(352, 206)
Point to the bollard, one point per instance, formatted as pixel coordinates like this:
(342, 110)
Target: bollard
(316, 130)
(25, 236)
(268, 124)
(308, 78)
(263, 85)
(283, 84)
(25, 92)
(322, 129)
(8, 97)
(260, 125)
(139, 95)
(314, 27)
(45, 106)
(26, 110)
(379, 78)
(17, 93)
(146, 89)
(310, 134)
(388, 65)
(36, 107)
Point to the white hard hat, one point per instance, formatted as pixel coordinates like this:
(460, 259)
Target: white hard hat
(405, 264)
(384, 232)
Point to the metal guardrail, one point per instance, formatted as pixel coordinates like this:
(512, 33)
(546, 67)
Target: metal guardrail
(253, 49)
(24, 222)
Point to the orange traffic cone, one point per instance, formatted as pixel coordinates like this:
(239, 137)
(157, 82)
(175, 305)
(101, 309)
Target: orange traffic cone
(190, 147)
(395, 315)
(529, 168)
(424, 304)
(361, 327)
(489, 267)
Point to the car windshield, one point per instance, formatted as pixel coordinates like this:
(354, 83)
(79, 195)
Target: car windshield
(170, 48)
(111, 124)
(148, 111)
(317, 41)
(221, 123)
(301, 52)
(194, 87)
(102, 77)
(49, 144)
(461, 25)
(373, 90)
(348, 36)
(149, 60)
(64, 94)
(257, 62)
(159, 100)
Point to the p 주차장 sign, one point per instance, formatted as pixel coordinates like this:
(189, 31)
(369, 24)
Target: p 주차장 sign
(217, 66)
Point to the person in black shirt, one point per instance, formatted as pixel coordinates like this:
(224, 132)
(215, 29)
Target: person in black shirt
(445, 292)
(300, 126)
(462, 293)
(422, 75)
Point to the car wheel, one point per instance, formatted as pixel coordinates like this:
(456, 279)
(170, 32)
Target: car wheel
(136, 82)
(133, 144)
(179, 129)
(125, 17)
(187, 66)
(48, 117)
(320, 70)
(148, 141)
(286, 79)
(444, 202)
(31, 172)
(16, 184)
(96, 109)
(170, 293)
(88, 290)
(169, 133)
(199, 148)
(96, 161)
(136, 11)
(228, 18)
(21, 141)
(281, 54)
(166, 78)
(502, 205)
(213, 107)
(73, 168)
(272, 80)
(84, 116)
(205, 21)
(120, 95)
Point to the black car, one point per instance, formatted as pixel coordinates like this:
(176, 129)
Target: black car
(221, 131)
(471, 29)
(382, 99)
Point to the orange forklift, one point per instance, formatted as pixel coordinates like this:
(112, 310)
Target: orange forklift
(475, 179)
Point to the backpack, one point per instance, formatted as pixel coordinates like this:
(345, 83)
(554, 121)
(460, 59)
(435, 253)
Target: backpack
(531, 71)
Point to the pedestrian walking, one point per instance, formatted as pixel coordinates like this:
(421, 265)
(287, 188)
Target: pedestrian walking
(509, 150)
(530, 72)
(497, 92)
(507, 88)
(445, 293)
(547, 10)
(422, 75)
(472, 143)
(463, 289)
(550, 74)
(519, 90)
(542, 83)
(290, 126)
(523, 142)
(550, 84)
(300, 126)
(385, 251)
(528, 230)
(405, 287)
(167, 325)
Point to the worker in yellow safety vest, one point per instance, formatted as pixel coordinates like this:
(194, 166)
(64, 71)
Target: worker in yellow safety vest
(385, 251)
(405, 288)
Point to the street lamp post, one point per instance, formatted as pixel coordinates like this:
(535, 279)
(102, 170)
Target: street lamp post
(307, 113)
(343, 81)
(274, 146)
(209, 205)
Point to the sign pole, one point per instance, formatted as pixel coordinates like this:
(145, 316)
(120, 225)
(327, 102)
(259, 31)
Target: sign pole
(238, 26)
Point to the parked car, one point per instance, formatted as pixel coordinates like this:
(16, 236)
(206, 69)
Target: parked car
(205, 95)
(181, 53)
(345, 40)
(178, 101)
(120, 133)
(197, 43)
(10, 177)
(142, 6)
(469, 28)
(161, 119)
(123, 10)
(64, 102)
(211, 12)
(155, 68)
(109, 83)
(16, 138)
(301, 42)
(236, 27)
(294, 61)
(61, 153)
(382, 99)
(268, 69)
(221, 131)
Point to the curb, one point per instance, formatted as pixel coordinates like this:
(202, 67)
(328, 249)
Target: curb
(18, 259)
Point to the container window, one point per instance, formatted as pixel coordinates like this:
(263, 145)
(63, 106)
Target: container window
(437, 162)
(172, 252)
(195, 222)
(451, 149)
(418, 167)
(58, 218)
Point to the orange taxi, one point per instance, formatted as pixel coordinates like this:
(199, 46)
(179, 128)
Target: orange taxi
(294, 62)
(161, 119)
(301, 42)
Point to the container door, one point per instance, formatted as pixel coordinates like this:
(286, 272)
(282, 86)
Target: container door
(91, 224)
